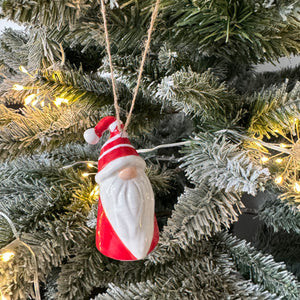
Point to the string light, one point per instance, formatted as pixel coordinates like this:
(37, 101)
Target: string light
(29, 99)
(16, 242)
(18, 87)
(23, 70)
(290, 149)
(34, 102)
(297, 187)
(3, 297)
(282, 145)
(278, 180)
(264, 159)
(87, 174)
(79, 163)
(91, 165)
(6, 256)
(58, 101)
(42, 103)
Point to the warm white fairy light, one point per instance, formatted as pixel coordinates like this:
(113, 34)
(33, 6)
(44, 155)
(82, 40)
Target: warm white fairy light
(23, 70)
(3, 297)
(282, 145)
(18, 87)
(85, 174)
(278, 180)
(6, 256)
(58, 101)
(16, 242)
(297, 187)
(29, 99)
(264, 159)
(290, 152)
(34, 102)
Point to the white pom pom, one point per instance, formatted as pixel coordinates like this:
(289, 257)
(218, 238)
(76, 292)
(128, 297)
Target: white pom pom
(91, 137)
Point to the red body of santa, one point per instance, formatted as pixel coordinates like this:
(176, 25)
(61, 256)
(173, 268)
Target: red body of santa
(126, 224)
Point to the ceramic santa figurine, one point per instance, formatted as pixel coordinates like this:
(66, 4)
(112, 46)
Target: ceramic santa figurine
(126, 224)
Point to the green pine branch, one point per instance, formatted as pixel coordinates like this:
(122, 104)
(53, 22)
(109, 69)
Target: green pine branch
(201, 95)
(50, 213)
(84, 271)
(47, 128)
(200, 213)
(261, 268)
(280, 214)
(273, 110)
(246, 30)
(45, 13)
(13, 52)
(205, 276)
(7, 115)
(223, 165)
(38, 187)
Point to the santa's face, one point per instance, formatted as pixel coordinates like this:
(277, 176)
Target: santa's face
(128, 201)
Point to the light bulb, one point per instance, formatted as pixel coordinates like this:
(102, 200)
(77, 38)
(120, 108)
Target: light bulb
(278, 179)
(85, 174)
(23, 69)
(29, 98)
(18, 87)
(6, 256)
(264, 159)
(90, 165)
(34, 102)
(279, 160)
(297, 187)
(42, 103)
(58, 101)
(282, 145)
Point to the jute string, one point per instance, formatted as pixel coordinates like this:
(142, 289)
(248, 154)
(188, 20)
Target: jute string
(141, 69)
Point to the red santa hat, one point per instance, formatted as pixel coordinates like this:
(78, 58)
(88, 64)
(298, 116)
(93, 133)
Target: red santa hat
(117, 151)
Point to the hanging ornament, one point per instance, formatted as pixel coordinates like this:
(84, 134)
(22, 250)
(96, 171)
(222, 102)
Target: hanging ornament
(126, 224)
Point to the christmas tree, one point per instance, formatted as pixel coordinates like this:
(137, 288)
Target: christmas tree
(221, 132)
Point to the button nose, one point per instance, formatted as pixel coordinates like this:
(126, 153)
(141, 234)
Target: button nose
(128, 173)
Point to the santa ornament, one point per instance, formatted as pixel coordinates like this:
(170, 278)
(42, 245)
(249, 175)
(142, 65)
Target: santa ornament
(126, 224)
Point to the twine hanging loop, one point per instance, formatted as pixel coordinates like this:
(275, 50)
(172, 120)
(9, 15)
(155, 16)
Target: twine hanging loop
(141, 69)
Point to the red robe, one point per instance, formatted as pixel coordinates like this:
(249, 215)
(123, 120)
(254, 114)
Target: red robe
(109, 244)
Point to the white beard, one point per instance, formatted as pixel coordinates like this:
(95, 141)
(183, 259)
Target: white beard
(129, 207)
